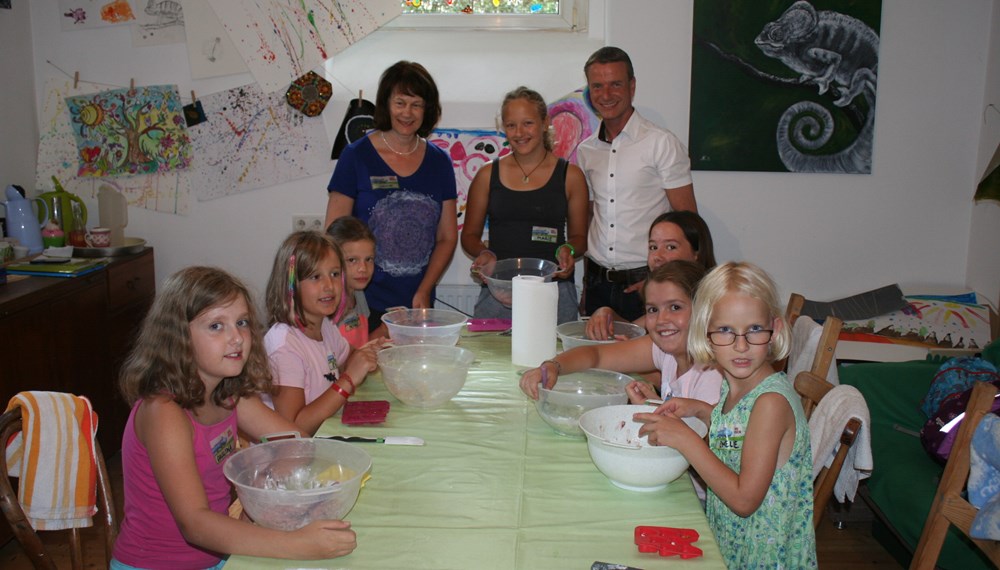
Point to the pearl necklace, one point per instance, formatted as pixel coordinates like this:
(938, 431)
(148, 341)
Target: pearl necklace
(416, 144)
(528, 174)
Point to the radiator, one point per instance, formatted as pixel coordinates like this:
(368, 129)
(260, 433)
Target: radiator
(461, 297)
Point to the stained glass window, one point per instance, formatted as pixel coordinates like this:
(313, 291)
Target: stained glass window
(484, 7)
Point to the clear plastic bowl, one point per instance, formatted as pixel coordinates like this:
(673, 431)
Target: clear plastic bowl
(424, 326)
(288, 484)
(424, 375)
(627, 459)
(500, 279)
(574, 394)
(574, 333)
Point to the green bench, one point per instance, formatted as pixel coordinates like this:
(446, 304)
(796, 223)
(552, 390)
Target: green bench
(905, 478)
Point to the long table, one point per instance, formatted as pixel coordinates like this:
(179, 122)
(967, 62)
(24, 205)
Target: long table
(495, 487)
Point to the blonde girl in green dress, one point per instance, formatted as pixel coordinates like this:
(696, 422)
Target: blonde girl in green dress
(757, 462)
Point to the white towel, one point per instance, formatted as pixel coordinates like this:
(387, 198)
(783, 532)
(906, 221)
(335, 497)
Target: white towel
(805, 340)
(827, 424)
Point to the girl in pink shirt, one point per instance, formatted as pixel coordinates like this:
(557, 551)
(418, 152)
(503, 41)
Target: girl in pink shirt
(314, 367)
(669, 295)
(193, 380)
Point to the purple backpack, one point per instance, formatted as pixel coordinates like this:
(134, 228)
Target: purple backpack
(939, 433)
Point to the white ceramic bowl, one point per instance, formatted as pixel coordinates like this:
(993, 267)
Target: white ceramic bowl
(576, 393)
(288, 484)
(424, 326)
(500, 279)
(424, 375)
(574, 333)
(627, 459)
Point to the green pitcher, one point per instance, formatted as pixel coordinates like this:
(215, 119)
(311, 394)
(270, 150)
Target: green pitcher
(59, 202)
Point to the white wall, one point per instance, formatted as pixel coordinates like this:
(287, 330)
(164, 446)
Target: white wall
(823, 235)
(828, 235)
(18, 128)
(984, 234)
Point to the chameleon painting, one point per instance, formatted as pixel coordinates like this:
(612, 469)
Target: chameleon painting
(838, 54)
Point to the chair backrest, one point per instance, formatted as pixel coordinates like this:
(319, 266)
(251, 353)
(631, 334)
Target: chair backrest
(10, 424)
(949, 506)
(810, 350)
(812, 388)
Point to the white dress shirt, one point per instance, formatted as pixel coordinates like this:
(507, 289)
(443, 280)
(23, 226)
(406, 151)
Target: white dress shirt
(627, 179)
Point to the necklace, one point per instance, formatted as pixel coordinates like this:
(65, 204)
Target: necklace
(528, 174)
(416, 144)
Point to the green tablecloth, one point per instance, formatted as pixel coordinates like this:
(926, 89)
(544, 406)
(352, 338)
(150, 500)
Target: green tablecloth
(495, 487)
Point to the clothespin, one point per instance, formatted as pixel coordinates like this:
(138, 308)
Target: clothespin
(193, 98)
(131, 86)
(668, 541)
(76, 79)
(361, 97)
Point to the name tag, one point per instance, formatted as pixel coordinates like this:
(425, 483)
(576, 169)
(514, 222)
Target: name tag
(545, 235)
(223, 445)
(728, 438)
(384, 182)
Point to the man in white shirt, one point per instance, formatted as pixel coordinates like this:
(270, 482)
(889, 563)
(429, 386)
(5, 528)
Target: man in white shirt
(635, 171)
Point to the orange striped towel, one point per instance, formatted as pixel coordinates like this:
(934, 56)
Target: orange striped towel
(53, 456)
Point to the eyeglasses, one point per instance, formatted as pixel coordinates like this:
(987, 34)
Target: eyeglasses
(726, 338)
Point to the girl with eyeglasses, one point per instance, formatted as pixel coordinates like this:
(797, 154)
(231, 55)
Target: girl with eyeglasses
(757, 462)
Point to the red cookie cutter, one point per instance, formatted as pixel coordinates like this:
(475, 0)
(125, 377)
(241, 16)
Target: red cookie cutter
(668, 541)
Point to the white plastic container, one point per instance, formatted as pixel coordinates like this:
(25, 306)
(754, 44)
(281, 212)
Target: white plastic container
(627, 459)
(424, 326)
(290, 483)
(113, 212)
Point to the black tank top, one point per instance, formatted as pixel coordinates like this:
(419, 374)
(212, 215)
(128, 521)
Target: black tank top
(528, 223)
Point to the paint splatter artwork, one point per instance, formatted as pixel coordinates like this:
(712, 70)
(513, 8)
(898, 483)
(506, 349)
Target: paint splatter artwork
(469, 151)
(283, 39)
(83, 14)
(572, 121)
(210, 51)
(167, 192)
(942, 322)
(252, 140)
(124, 132)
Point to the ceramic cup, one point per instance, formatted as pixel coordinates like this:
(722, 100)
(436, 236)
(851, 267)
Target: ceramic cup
(20, 252)
(99, 237)
(53, 241)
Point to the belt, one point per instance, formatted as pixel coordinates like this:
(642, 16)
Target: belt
(616, 275)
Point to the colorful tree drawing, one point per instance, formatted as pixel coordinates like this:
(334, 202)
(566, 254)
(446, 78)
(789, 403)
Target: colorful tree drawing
(130, 131)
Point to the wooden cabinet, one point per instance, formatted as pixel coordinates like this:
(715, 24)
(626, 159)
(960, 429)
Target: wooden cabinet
(72, 334)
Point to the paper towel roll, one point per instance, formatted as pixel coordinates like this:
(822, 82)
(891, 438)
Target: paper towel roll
(534, 312)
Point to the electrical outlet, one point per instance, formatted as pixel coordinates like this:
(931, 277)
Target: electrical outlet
(312, 222)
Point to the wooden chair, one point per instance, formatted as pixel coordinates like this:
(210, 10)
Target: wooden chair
(949, 507)
(827, 345)
(10, 424)
(812, 388)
